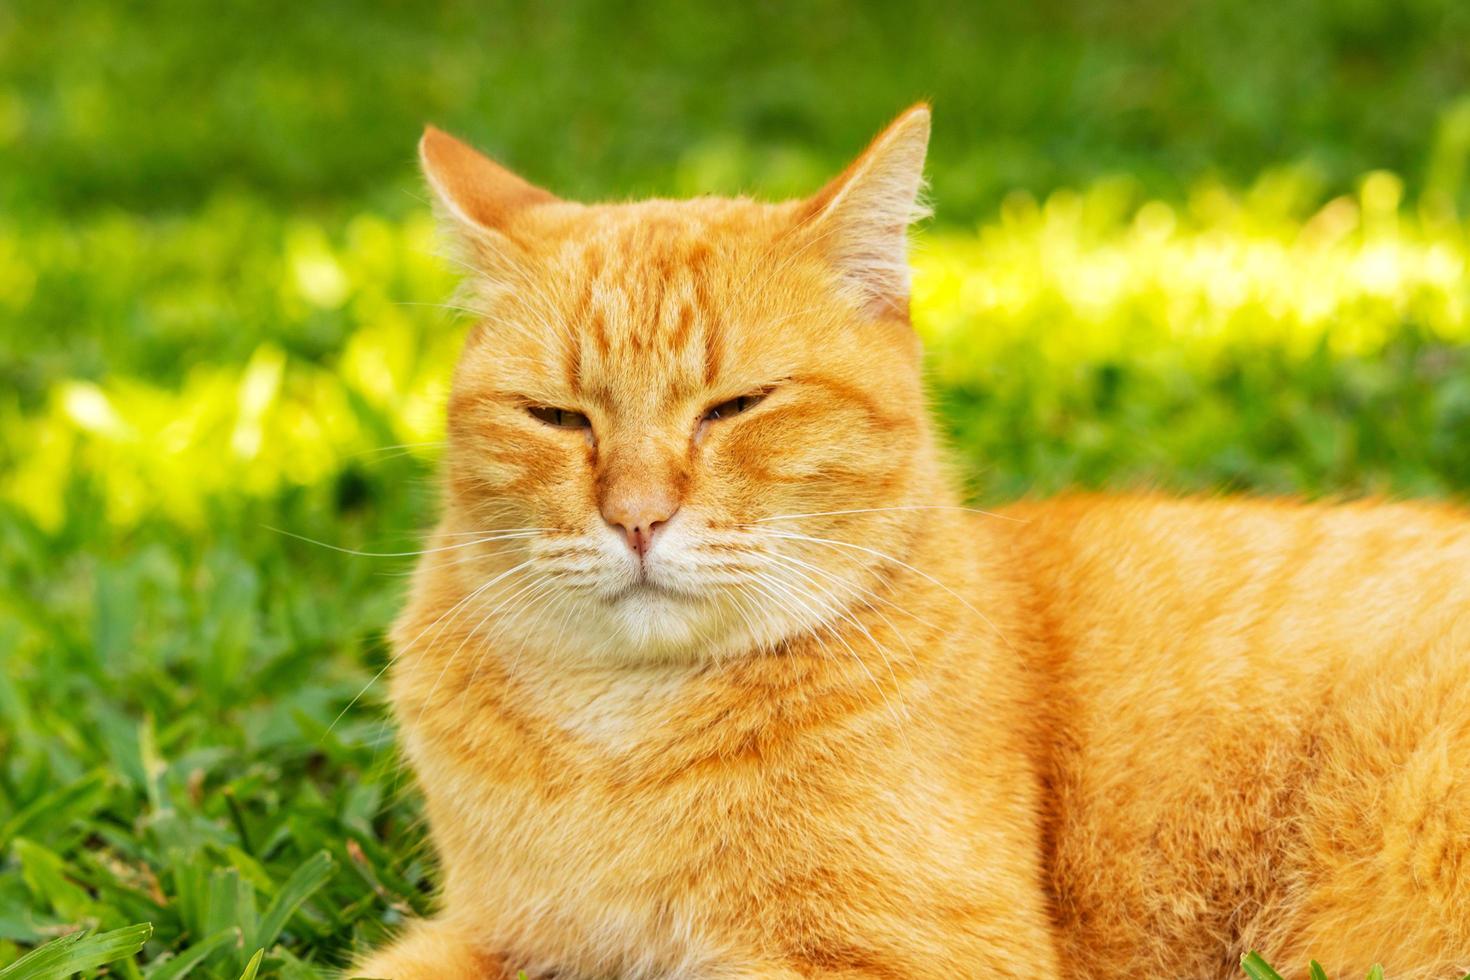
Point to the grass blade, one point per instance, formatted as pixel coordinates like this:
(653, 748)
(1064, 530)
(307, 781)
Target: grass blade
(225, 901)
(253, 967)
(58, 807)
(297, 889)
(1317, 972)
(77, 952)
(179, 966)
(1257, 968)
(1376, 973)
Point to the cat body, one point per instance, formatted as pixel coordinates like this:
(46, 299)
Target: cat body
(707, 673)
(1259, 730)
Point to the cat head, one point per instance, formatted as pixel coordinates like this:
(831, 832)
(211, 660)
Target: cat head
(684, 429)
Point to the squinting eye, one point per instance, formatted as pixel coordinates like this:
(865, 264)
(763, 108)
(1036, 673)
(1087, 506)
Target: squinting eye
(734, 406)
(562, 418)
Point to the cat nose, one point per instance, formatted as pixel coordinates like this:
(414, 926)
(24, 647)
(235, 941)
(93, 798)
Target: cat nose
(639, 513)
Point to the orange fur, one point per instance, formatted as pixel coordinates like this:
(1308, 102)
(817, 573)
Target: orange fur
(832, 724)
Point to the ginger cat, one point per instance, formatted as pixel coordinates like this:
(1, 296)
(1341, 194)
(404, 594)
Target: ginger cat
(706, 673)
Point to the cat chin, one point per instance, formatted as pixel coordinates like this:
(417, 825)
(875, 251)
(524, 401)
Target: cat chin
(647, 625)
(660, 625)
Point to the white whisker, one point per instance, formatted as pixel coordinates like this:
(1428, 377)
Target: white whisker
(444, 670)
(405, 648)
(902, 564)
(523, 532)
(791, 590)
(876, 510)
(867, 593)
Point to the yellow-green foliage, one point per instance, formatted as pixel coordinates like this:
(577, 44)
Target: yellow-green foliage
(1102, 331)
(1105, 278)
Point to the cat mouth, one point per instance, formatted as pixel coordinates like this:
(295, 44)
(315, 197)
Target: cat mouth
(645, 589)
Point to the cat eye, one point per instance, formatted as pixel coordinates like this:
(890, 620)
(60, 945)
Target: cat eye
(562, 418)
(734, 406)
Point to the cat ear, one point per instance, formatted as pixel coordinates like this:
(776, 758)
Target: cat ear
(474, 190)
(861, 218)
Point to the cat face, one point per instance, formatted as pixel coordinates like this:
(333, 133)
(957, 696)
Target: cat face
(681, 421)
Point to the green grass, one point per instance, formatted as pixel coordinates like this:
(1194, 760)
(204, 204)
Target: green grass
(1256, 968)
(217, 318)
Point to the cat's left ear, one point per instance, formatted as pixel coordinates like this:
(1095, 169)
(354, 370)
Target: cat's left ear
(860, 220)
(475, 190)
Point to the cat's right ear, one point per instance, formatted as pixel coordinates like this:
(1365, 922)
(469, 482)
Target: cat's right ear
(862, 218)
(471, 188)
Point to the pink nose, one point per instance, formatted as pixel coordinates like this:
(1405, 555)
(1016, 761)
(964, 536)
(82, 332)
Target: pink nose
(639, 516)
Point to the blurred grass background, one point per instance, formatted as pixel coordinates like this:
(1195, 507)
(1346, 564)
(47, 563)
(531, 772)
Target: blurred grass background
(1192, 245)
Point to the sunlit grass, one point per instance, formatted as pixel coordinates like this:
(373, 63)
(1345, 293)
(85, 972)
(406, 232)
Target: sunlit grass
(336, 347)
(1107, 275)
